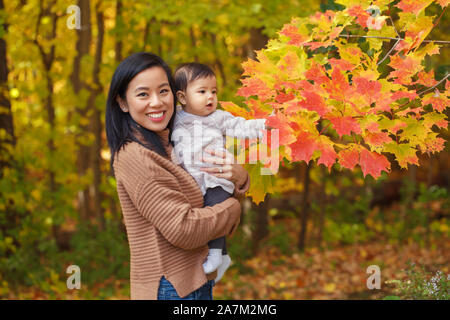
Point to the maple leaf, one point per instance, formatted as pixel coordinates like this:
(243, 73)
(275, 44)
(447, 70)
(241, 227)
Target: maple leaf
(341, 63)
(411, 95)
(339, 86)
(281, 122)
(405, 68)
(373, 163)
(426, 78)
(293, 33)
(327, 154)
(433, 145)
(234, 109)
(317, 73)
(360, 14)
(377, 138)
(303, 148)
(314, 102)
(443, 3)
(291, 65)
(404, 153)
(258, 110)
(283, 97)
(254, 87)
(345, 125)
(434, 118)
(348, 158)
(438, 103)
(414, 6)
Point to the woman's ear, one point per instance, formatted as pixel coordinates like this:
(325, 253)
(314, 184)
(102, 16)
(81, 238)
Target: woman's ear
(181, 97)
(122, 104)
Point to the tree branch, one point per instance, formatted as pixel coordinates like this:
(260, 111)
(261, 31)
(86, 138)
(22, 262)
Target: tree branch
(431, 88)
(388, 38)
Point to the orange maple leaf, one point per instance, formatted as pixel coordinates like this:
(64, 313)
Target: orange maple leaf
(303, 148)
(414, 6)
(345, 125)
(348, 158)
(373, 163)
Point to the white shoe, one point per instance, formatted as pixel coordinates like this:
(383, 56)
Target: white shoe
(226, 261)
(213, 261)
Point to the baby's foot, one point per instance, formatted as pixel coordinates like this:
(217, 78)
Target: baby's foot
(226, 261)
(213, 260)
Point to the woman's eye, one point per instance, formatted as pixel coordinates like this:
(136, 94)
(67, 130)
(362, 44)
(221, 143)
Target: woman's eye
(202, 91)
(164, 90)
(142, 94)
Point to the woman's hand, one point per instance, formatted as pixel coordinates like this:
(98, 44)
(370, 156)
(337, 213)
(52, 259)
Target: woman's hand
(225, 166)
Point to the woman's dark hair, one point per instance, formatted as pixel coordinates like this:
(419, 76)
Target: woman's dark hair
(120, 126)
(191, 71)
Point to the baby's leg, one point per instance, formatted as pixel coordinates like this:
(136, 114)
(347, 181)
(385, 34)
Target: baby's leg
(216, 246)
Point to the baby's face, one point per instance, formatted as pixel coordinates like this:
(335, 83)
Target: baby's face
(201, 96)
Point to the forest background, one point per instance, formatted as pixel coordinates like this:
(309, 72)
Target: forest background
(58, 203)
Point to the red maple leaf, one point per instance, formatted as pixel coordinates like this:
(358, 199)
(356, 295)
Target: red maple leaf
(327, 155)
(411, 95)
(414, 6)
(293, 33)
(345, 125)
(339, 86)
(367, 87)
(341, 63)
(254, 87)
(348, 158)
(373, 163)
(303, 148)
(317, 74)
(438, 103)
(377, 138)
(314, 102)
(281, 122)
(361, 15)
(283, 97)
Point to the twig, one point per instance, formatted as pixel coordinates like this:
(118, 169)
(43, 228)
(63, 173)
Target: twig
(398, 35)
(431, 88)
(437, 21)
(389, 52)
(388, 38)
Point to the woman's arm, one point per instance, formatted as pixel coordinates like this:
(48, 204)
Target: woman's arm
(168, 209)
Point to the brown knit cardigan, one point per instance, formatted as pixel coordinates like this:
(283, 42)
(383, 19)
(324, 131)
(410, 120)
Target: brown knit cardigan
(168, 229)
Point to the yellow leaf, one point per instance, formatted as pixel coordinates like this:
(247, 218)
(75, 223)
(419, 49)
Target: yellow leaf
(330, 287)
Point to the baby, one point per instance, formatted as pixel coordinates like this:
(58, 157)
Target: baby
(198, 126)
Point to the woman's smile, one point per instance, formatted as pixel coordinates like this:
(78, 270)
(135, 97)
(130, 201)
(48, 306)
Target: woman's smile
(157, 116)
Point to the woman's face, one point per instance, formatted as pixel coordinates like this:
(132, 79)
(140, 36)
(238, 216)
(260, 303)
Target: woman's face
(149, 99)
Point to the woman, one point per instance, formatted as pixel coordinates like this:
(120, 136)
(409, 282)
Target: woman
(168, 229)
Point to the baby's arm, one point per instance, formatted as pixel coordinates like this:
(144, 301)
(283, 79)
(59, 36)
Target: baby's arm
(239, 127)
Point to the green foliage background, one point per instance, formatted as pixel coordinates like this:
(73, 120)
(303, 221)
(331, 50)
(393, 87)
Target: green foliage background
(41, 229)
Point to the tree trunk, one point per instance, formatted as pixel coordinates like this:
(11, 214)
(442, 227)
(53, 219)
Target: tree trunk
(47, 60)
(257, 41)
(323, 199)
(96, 123)
(305, 209)
(6, 118)
(261, 221)
(118, 44)
(8, 141)
(82, 47)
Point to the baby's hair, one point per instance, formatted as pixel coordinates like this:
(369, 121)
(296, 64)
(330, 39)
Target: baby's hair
(191, 71)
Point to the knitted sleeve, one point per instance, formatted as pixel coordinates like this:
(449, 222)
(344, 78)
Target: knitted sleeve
(167, 208)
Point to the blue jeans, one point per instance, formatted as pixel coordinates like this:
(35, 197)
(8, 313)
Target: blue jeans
(167, 292)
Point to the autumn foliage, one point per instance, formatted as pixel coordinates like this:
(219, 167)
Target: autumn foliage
(350, 87)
